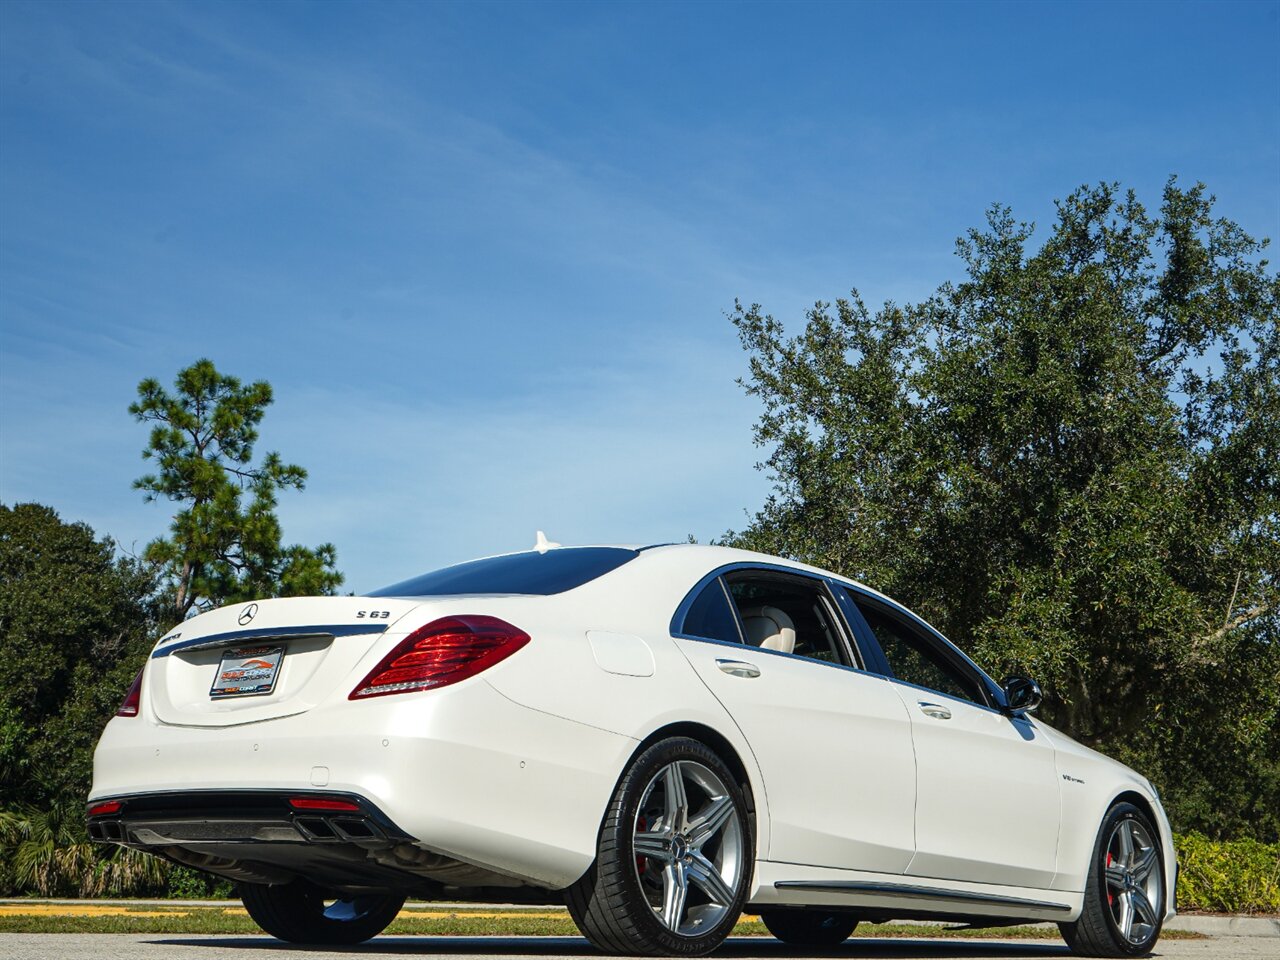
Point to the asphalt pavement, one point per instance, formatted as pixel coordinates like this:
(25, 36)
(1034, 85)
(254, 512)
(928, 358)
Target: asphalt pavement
(128, 946)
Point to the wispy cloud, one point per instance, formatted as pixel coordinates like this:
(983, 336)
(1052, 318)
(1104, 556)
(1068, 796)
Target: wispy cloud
(620, 456)
(483, 251)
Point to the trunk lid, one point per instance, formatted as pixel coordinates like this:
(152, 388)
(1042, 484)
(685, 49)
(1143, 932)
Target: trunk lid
(259, 661)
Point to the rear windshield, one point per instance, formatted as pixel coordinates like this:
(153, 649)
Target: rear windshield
(538, 573)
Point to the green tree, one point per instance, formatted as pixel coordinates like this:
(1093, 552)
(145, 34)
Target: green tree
(75, 626)
(76, 622)
(1067, 461)
(47, 852)
(224, 543)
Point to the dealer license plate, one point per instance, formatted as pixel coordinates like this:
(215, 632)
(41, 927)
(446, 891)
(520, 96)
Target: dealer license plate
(247, 672)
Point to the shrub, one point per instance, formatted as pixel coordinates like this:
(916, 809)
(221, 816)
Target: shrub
(1231, 876)
(187, 884)
(47, 853)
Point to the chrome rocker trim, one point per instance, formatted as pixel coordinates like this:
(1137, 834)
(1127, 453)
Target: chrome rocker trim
(915, 893)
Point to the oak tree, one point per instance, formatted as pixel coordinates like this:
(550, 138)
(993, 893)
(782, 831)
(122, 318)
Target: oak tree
(1067, 460)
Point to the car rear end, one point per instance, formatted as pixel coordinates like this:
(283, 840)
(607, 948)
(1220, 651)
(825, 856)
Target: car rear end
(358, 742)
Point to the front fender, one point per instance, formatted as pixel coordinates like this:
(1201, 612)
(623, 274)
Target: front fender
(1092, 785)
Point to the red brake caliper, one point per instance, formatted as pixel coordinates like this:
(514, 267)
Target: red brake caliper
(1110, 896)
(641, 825)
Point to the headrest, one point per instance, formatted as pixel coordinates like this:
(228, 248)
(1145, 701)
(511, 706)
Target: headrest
(769, 628)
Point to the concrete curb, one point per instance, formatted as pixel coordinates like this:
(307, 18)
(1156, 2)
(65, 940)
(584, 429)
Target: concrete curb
(1226, 926)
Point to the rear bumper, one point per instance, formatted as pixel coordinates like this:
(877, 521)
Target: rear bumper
(214, 816)
(456, 776)
(259, 837)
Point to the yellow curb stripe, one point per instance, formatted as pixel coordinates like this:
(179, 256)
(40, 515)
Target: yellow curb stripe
(419, 913)
(68, 910)
(112, 910)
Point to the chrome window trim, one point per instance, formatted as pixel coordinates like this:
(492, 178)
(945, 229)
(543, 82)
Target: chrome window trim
(908, 890)
(851, 641)
(858, 634)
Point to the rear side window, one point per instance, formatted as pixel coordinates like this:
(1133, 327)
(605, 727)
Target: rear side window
(787, 614)
(711, 617)
(535, 573)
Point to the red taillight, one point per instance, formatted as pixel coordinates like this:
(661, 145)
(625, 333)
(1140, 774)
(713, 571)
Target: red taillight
(443, 652)
(322, 803)
(107, 806)
(132, 699)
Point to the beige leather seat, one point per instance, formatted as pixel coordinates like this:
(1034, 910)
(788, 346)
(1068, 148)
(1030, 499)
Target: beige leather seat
(770, 629)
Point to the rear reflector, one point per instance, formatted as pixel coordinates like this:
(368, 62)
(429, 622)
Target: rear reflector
(107, 806)
(443, 652)
(132, 699)
(322, 803)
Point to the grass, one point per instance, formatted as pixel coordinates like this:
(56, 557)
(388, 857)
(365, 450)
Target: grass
(414, 920)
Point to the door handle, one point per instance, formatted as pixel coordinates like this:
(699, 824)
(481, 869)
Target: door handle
(738, 668)
(935, 710)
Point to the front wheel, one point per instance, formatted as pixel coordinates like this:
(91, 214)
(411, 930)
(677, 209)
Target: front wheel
(673, 862)
(809, 928)
(1124, 895)
(301, 912)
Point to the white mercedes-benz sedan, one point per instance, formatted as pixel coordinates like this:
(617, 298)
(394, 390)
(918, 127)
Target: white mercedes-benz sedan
(662, 737)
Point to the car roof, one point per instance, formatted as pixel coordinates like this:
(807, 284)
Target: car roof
(718, 555)
(714, 556)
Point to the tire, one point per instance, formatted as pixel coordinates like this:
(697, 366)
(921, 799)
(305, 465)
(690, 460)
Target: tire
(809, 928)
(1124, 896)
(677, 822)
(297, 912)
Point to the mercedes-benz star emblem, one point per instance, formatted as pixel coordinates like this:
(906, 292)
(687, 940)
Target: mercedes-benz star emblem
(248, 613)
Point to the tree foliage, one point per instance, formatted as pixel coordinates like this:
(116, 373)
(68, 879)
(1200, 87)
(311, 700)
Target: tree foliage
(1067, 461)
(76, 623)
(224, 543)
(47, 852)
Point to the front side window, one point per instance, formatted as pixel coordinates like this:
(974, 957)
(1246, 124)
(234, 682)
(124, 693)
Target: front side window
(787, 614)
(914, 658)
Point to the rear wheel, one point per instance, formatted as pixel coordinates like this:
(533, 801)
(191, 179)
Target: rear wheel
(301, 912)
(674, 858)
(1124, 895)
(809, 928)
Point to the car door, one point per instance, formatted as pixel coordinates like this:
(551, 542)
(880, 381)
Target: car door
(987, 787)
(833, 742)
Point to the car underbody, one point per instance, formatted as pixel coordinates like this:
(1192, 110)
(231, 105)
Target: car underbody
(272, 837)
(343, 842)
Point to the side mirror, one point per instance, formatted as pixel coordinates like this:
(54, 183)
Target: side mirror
(1021, 695)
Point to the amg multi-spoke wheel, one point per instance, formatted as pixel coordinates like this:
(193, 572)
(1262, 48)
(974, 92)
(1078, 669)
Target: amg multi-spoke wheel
(1133, 881)
(1124, 896)
(809, 928)
(301, 912)
(674, 858)
(677, 847)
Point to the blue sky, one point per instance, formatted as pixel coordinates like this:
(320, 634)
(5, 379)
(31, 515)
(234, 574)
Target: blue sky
(484, 252)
